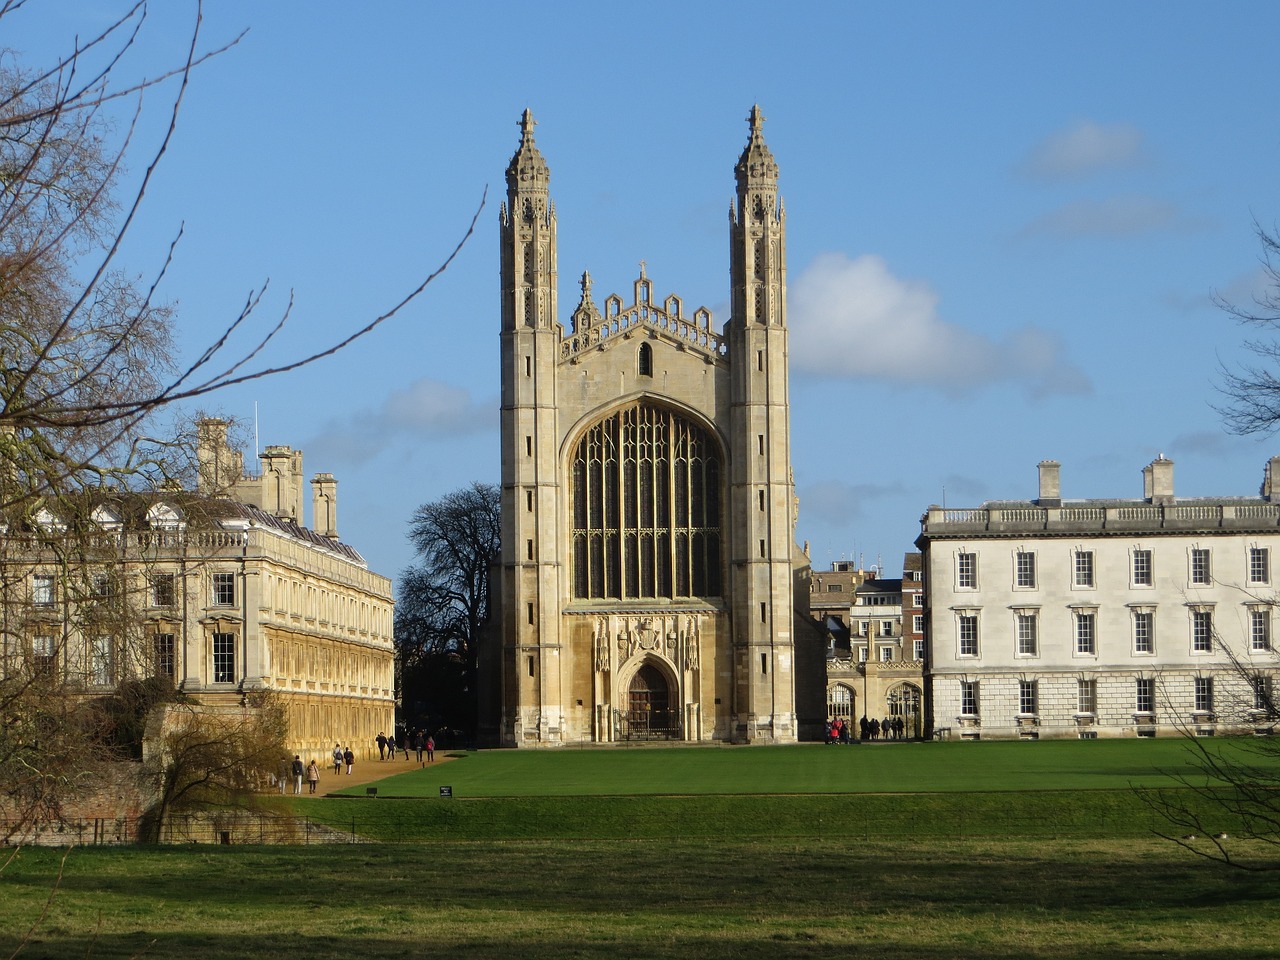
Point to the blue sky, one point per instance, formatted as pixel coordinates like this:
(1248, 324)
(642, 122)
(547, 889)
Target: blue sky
(1005, 223)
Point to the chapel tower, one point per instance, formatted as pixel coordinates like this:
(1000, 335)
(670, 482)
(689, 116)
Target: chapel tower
(530, 617)
(762, 528)
(645, 583)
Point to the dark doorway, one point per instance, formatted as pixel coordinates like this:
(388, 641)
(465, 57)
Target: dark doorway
(649, 713)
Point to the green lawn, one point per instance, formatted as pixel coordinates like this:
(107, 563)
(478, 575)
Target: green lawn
(955, 851)
(688, 900)
(808, 769)
(1059, 789)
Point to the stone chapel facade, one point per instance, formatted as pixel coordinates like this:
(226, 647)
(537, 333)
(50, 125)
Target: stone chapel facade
(645, 589)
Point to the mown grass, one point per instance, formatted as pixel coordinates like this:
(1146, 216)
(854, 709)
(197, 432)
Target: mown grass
(926, 851)
(949, 816)
(839, 897)
(811, 769)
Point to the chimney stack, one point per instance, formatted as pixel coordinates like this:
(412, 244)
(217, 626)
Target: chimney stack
(1157, 481)
(324, 505)
(1050, 484)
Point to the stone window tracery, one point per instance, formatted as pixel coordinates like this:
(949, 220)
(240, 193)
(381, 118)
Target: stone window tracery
(646, 507)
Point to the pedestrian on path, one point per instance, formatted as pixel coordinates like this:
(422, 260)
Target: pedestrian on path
(313, 775)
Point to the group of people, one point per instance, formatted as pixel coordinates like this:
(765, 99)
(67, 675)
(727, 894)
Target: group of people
(890, 728)
(295, 771)
(343, 756)
(422, 743)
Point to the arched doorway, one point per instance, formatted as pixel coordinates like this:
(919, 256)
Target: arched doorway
(904, 702)
(649, 715)
(840, 703)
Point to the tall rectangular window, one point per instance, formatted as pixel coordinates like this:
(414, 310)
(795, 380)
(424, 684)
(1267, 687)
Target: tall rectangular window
(1144, 638)
(162, 592)
(1028, 640)
(966, 570)
(1259, 565)
(224, 658)
(969, 698)
(165, 662)
(1204, 694)
(1260, 629)
(1262, 694)
(1025, 569)
(917, 648)
(1201, 570)
(1027, 696)
(44, 653)
(968, 627)
(917, 623)
(42, 594)
(1084, 568)
(1145, 695)
(1086, 639)
(102, 666)
(1201, 631)
(1086, 696)
(1142, 572)
(224, 589)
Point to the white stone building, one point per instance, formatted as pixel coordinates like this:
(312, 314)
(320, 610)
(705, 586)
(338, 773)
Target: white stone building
(1084, 618)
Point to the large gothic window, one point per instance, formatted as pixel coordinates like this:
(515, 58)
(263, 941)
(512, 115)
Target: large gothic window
(646, 508)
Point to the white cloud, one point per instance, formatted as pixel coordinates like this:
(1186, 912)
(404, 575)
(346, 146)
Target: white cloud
(426, 410)
(1112, 217)
(853, 318)
(1085, 149)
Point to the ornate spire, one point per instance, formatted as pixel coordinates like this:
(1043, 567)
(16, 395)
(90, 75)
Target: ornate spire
(756, 165)
(527, 168)
(586, 315)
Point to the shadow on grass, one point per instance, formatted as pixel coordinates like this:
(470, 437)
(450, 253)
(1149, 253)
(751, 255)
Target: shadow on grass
(782, 944)
(623, 900)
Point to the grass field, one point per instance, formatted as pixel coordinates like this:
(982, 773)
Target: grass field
(927, 851)
(809, 769)
(1064, 900)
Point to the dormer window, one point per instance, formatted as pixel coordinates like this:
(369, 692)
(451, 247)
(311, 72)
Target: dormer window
(105, 517)
(644, 362)
(164, 516)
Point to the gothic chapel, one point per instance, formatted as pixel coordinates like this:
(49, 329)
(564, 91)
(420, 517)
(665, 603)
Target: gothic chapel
(645, 590)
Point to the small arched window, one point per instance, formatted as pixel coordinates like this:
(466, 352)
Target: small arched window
(645, 360)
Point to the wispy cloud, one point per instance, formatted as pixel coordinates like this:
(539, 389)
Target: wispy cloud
(1085, 149)
(426, 410)
(1124, 216)
(853, 318)
(835, 502)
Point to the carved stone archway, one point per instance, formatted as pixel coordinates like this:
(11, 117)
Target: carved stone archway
(651, 707)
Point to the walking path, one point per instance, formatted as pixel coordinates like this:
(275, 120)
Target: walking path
(371, 771)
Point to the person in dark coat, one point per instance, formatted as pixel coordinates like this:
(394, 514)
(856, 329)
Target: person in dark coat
(349, 759)
(382, 745)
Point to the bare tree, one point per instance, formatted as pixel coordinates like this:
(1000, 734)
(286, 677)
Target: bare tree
(202, 761)
(1228, 805)
(443, 603)
(1252, 390)
(87, 363)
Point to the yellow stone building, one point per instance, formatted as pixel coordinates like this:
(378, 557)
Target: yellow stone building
(222, 590)
(648, 512)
